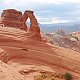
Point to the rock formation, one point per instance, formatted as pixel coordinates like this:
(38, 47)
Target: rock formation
(22, 57)
(12, 18)
(34, 28)
(62, 39)
(15, 19)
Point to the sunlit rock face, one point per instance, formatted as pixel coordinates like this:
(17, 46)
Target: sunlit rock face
(15, 19)
(12, 18)
(34, 28)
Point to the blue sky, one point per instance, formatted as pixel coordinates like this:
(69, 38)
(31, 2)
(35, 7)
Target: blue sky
(47, 11)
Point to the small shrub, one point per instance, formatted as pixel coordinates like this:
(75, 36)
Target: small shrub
(67, 76)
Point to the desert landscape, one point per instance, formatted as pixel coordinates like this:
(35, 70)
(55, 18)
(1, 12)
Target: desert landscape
(27, 54)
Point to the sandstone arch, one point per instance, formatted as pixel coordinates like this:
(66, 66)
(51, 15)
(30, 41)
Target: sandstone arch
(33, 21)
(34, 28)
(15, 19)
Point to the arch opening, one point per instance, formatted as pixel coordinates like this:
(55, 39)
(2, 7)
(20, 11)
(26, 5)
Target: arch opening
(28, 22)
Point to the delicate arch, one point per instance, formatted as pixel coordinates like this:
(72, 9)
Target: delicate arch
(33, 21)
(15, 19)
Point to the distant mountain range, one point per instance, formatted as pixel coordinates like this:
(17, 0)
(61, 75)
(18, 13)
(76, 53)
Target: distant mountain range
(62, 39)
(67, 27)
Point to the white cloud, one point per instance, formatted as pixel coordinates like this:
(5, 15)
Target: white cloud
(27, 2)
(28, 20)
(8, 1)
(55, 22)
(60, 21)
(43, 5)
(30, 3)
(57, 1)
(41, 18)
(51, 20)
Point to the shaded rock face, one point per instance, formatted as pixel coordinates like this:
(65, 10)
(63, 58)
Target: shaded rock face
(15, 19)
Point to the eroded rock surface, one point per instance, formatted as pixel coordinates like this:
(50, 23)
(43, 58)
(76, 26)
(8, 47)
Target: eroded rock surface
(12, 18)
(34, 28)
(17, 51)
(15, 19)
(9, 73)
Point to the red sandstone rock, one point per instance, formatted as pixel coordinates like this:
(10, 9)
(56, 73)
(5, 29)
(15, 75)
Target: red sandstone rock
(34, 28)
(15, 19)
(12, 18)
